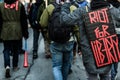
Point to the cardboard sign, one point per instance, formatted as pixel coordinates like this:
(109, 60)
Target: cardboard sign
(102, 37)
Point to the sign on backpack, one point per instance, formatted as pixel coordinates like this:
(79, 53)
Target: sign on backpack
(102, 37)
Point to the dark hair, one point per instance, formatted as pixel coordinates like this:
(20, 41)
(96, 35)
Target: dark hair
(115, 3)
(96, 4)
(9, 1)
(39, 1)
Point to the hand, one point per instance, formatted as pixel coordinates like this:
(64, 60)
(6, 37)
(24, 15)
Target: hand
(80, 53)
(26, 35)
(25, 38)
(79, 49)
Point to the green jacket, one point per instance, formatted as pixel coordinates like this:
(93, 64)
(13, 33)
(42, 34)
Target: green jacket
(44, 21)
(45, 15)
(40, 10)
(11, 23)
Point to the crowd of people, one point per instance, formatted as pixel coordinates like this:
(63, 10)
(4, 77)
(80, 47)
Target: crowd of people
(14, 20)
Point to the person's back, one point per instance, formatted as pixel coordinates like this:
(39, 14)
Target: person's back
(36, 8)
(60, 51)
(116, 4)
(88, 58)
(13, 26)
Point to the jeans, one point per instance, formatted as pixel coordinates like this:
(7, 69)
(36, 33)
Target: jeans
(105, 76)
(115, 65)
(14, 47)
(61, 59)
(36, 34)
(114, 71)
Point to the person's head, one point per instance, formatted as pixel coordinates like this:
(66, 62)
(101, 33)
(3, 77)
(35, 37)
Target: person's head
(115, 3)
(9, 1)
(96, 4)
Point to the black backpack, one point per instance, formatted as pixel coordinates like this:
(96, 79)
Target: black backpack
(33, 16)
(58, 32)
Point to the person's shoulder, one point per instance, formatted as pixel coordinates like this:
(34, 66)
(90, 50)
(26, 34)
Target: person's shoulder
(50, 7)
(73, 6)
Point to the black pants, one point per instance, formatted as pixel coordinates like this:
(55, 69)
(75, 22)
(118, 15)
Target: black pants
(14, 47)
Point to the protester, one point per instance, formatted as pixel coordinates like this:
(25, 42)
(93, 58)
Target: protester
(77, 18)
(13, 24)
(114, 70)
(33, 14)
(44, 32)
(61, 52)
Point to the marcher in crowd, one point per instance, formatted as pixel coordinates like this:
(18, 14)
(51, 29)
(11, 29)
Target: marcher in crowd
(46, 38)
(114, 69)
(33, 14)
(76, 17)
(13, 25)
(61, 52)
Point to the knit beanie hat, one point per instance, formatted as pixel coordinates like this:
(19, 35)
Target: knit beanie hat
(115, 3)
(9, 1)
(39, 1)
(96, 4)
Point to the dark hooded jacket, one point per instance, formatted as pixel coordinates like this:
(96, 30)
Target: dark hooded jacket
(35, 11)
(13, 21)
(77, 18)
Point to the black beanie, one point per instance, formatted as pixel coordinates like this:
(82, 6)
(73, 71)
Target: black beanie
(115, 3)
(96, 4)
(39, 1)
(9, 1)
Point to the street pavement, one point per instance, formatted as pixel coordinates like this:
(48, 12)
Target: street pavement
(41, 68)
